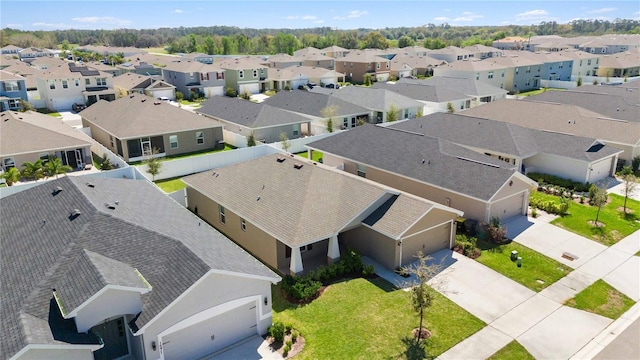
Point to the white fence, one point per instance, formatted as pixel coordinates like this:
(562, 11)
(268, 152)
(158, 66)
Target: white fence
(194, 164)
(558, 84)
(180, 196)
(299, 145)
(234, 139)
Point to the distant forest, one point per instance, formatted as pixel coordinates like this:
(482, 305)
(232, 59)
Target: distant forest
(227, 40)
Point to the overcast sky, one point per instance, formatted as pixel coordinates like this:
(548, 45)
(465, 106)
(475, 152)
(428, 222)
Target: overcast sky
(147, 14)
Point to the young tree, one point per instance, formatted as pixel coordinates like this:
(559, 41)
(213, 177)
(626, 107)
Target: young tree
(25, 106)
(251, 139)
(598, 199)
(33, 170)
(11, 176)
(630, 182)
(393, 113)
(421, 293)
(329, 112)
(367, 80)
(55, 167)
(154, 165)
(284, 141)
(450, 108)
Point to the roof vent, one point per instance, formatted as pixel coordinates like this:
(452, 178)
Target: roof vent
(143, 100)
(157, 103)
(91, 185)
(131, 96)
(74, 214)
(280, 159)
(109, 206)
(297, 165)
(56, 190)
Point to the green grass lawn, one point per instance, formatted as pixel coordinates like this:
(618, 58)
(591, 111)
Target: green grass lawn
(616, 224)
(602, 299)
(539, 91)
(512, 351)
(371, 319)
(535, 266)
(171, 185)
(227, 147)
(638, 253)
(317, 155)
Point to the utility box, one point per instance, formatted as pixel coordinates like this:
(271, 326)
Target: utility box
(519, 261)
(514, 255)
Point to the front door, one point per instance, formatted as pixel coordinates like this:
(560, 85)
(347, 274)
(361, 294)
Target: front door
(114, 337)
(79, 158)
(71, 158)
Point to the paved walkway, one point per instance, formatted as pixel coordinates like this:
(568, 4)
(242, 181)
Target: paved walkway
(539, 321)
(252, 348)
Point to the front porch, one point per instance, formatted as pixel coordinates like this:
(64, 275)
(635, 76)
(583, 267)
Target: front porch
(299, 260)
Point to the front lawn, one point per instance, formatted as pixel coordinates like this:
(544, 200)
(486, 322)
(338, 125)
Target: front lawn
(512, 351)
(369, 318)
(537, 272)
(602, 299)
(616, 224)
(171, 185)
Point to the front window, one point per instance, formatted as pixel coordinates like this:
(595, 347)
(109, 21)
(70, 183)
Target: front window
(14, 103)
(11, 86)
(8, 163)
(52, 85)
(101, 81)
(199, 137)
(87, 81)
(255, 73)
(65, 84)
(241, 74)
(377, 65)
(223, 216)
(243, 225)
(77, 82)
(173, 141)
(490, 75)
(362, 171)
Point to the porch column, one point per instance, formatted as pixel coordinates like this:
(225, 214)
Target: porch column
(295, 266)
(333, 254)
(525, 202)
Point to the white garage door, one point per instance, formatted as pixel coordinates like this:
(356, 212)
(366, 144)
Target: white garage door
(509, 207)
(61, 104)
(428, 242)
(250, 88)
(212, 334)
(600, 170)
(214, 91)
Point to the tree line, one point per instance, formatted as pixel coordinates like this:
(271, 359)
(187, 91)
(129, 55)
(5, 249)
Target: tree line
(228, 40)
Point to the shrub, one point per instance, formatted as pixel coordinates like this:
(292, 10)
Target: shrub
(494, 231)
(276, 331)
(294, 337)
(231, 92)
(534, 213)
(287, 328)
(368, 270)
(467, 245)
(179, 96)
(558, 181)
(286, 350)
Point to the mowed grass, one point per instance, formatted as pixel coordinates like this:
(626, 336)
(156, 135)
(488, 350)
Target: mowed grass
(371, 319)
(602, 299)
(171, 185)
(316, 156)
(512, 351)
(617, 225)
(537, 272)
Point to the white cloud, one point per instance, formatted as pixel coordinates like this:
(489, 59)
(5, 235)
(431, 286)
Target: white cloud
(104, 20)
(309, 17)
(352, 15)
(441, 19)
(13, 26)
(52, 25)
(318, 22)
(178, 11)
(303, 17)
(533, 16)
(602, 11)
(467, 17)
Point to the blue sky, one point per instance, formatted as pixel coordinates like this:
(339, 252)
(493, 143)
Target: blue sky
(147, 14)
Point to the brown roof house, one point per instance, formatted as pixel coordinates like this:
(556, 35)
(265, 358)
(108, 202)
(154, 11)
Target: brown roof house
(294, 214)
(30, 136)
(130, 83)
(134, 126)
(356, 64)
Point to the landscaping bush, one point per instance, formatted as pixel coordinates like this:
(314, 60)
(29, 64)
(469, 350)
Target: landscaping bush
(301, 287)
(551, 206)
(494, 231)
(276, 331)
(368, 270)
(558, 181)
(294, 337)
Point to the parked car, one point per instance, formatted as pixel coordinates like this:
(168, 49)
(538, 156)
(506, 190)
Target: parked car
(78, 107)
(311, 85)
(333, 86)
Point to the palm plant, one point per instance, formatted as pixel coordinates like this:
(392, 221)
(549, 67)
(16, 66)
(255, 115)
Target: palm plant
(33, 170)
(11, 176)
(55, 167)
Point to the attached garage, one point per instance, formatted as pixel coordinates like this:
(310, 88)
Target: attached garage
(210, 331)
(430, 241)
(250, 88)
(62, 103)
(509, 207)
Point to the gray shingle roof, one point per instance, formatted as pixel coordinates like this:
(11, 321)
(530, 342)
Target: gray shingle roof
(139, 115)
(466, 86)
(247, 113)
(503, 137)
(41, 245)
(374, 99)
(397, 215)
(311, 103)
(422, 92)
(446, 165)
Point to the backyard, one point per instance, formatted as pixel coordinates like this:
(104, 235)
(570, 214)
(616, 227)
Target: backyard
(614, 224)
(171, 185)
(370, 318)
(317, 155)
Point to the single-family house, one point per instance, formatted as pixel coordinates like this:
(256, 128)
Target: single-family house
(31, 136)
(358, 63)
(451, 54)
(569, 119)
(555, 66)
(318, 60)
(246, 74)
(420, 65)
(292, 77)
(584, 64)
(200, 57)
(381, 102)
(29, 74)
(433, 98)
(482, 52)
(281, 61)
(195, 79)
(621, 65)
(104, 67)
(307, 50)
(13, 90)
(529, 150)
(320, 108)
(480, 92)
(419, 51)
(129, 83)
(31, 53)
(510, 43)
(298, 214)
(136, 125)
(435, 169)
(334, 51)
(244, 117)
(147, 64)
(64, 85)
(99, 268)
(400, 69)
(10, 50)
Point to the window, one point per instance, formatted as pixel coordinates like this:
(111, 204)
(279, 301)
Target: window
(223, 217)
(296, 130)
(387, 65)
(490, 75)
(378, 66)
(8, 163)
(362, 171)
(111, 140)
(528, 69)
(243, 225)
(44, 157)
(87, 81)
(503, 74)
(199, 137)
(173, 141)
(65, 84)
(11, 86)
(477, 76)
(580, 62)
(255, 73)
(191, 75)
(459, 57)
(306, 248)
(52, 85)
(14, 103)
(345, 123)
(241, 74)
(101, 81)
(589, 62)
(517, 70)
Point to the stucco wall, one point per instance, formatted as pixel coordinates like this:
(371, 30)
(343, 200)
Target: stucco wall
(555, 165)
(53, 353)
(187, 141)
(109, 304)
(372, 244)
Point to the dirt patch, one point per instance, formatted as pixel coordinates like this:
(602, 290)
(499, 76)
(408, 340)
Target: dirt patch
(296, 347)
(621, 209)
(425, 334)
(600, 224)
(614, 301)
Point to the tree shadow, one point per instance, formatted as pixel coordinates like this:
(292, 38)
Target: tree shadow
(413, 350)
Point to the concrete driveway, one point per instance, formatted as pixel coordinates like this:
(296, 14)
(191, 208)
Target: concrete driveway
(71, 118)
(253, 348)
